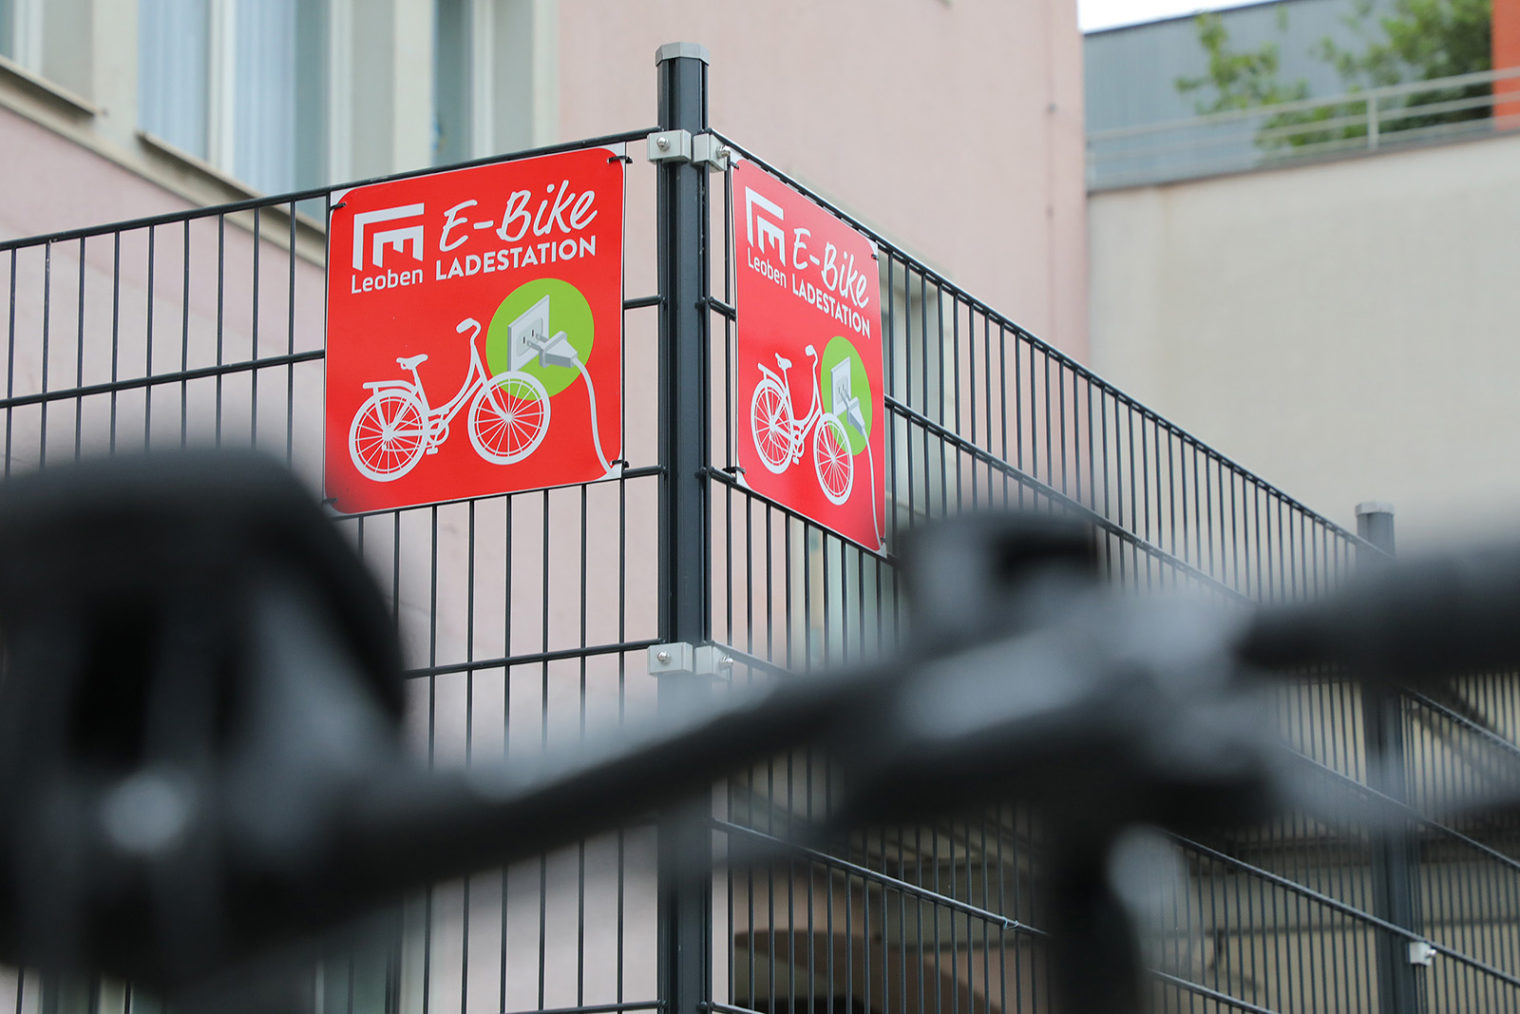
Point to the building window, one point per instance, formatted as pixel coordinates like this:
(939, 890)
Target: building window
(8, 29)
(452, 80)
(241, 84)
(493, 77)
(21, 32)
(174, 41)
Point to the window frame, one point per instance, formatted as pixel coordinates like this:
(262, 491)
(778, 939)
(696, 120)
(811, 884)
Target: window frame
(319, 138)
(25, 19)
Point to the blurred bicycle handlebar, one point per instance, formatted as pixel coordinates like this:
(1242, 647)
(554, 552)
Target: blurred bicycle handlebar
(201, 700)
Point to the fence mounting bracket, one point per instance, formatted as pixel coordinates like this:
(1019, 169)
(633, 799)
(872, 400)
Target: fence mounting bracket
(680, 658)
(670, 146)
(1421, 953)
(681, 146)
(709, 150)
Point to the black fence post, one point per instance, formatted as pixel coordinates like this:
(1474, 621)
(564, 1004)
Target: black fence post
(1394, 861)
(685, 908)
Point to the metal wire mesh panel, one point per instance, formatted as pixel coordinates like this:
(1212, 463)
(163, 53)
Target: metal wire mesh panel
(523, 617)
(1291, 916)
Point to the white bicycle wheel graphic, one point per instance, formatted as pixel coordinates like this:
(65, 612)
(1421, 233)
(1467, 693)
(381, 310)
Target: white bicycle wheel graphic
(388, 434)
(509, 417)
(832, 459)
(770, 423)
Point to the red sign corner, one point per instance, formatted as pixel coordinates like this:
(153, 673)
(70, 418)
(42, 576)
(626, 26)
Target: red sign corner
(474, 332)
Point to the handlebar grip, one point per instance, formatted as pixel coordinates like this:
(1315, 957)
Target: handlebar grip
(467, 324)
(1406, 621)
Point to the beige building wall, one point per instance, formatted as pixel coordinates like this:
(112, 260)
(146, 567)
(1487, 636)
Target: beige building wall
(1347, 330)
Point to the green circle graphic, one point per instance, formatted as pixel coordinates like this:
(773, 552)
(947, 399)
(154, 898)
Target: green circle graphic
(568, 312)
(839, 349)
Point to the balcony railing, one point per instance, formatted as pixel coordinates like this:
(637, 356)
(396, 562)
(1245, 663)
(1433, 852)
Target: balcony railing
(1420, 112)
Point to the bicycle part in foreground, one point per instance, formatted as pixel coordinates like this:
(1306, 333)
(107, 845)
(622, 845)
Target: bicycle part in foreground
(199, 715)
(200, 751)
(201, 724)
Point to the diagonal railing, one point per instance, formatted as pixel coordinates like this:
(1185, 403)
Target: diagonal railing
(1459, 107)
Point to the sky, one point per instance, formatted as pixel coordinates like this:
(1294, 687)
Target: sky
(1095, 14)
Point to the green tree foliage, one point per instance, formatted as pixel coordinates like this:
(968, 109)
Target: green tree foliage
(1425, 40)
(1422, 40)
(1249, 80)
(1240, 79)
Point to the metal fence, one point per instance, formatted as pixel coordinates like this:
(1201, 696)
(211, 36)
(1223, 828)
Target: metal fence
(527, 618)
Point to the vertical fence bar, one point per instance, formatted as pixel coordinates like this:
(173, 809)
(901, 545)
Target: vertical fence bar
(684, 907)
(1392, 853)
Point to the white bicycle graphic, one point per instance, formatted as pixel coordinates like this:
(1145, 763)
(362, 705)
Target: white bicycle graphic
(395, 427)
(779, 435)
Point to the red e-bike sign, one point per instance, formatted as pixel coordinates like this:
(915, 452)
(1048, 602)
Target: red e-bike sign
(809, 348)
(474, 332)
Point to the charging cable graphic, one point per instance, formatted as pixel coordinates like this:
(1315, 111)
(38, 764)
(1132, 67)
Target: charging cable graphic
(529, 339)
(848, 406)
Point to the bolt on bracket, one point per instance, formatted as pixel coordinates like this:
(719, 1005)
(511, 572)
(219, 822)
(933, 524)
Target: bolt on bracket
(708, 150)
(680, 658)
(670, 146)
(1421, 952)
(681, 146)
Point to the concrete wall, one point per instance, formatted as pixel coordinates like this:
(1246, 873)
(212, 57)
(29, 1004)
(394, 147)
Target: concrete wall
(1348, 330)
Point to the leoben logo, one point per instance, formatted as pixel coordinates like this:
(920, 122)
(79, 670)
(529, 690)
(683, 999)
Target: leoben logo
(769, 230)
(397, 238)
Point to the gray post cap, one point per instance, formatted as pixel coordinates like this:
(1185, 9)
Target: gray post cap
(1373, 507)
(671, 50)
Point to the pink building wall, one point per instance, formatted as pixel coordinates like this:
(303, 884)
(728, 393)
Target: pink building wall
(955, 128)
(52, 183)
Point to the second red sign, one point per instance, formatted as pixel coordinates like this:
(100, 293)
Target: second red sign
(811, 413)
